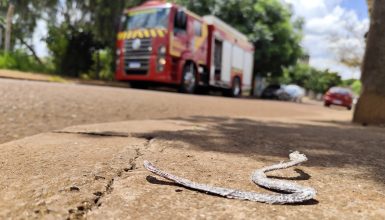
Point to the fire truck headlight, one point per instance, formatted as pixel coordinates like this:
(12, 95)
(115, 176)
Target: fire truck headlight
(162, 50)
(162, 61)
(161, 58)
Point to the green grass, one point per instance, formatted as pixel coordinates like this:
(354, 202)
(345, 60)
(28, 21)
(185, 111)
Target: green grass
(19, 60)
(57, 79)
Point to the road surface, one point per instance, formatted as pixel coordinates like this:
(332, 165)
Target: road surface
(28, 108)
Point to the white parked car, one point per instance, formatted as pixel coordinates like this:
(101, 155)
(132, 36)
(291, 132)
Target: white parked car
(291, 92)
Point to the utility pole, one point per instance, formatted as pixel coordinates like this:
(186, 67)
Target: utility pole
(8, 28)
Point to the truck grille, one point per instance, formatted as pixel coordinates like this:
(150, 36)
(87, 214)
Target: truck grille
(136, 61)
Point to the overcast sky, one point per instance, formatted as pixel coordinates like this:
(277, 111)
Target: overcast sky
(329, 24)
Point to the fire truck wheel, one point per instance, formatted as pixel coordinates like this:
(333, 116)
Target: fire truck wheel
(189, 81)
(236, 89)
(139, 85)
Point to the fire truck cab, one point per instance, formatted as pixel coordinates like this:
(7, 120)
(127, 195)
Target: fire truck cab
(165, 43)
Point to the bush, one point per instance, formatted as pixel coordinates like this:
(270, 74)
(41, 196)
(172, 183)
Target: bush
(105, 64)
(57, 44)
(19, 60)
(71, 49)
(356, 87)
(102, 66)
(318, 81)
(298, 74)
(7, 61)
(321, 81)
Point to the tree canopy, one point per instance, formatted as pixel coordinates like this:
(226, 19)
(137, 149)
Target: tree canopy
(269, 24)
(318, 81)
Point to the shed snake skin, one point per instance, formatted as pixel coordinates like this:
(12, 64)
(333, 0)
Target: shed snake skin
(292, 192)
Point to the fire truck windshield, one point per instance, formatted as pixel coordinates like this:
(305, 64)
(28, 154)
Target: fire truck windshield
(148, 18)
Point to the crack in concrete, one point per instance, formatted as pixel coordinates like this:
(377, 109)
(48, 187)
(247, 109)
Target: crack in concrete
(96, 133)
(87, 206)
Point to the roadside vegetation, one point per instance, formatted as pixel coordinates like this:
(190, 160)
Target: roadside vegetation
(20, 60)
(318, 81)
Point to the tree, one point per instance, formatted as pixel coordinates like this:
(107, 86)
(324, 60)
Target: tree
(71, 49)
(90, 25)
(371, 105)
(356, 87)
(22, 17)
(201, 7)
(297, 74)
(268, 24)
(353, 84)
(347, 43)
(320, 81)
(8, 29)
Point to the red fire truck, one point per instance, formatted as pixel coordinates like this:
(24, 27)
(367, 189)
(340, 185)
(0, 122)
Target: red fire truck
(161, 42)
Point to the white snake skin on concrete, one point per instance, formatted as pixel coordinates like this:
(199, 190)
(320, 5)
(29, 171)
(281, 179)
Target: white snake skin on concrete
(297, 193)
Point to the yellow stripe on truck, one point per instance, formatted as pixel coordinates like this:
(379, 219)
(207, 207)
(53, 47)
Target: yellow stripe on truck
(148, 11)
(146, 33)
(160, 33)
(128, 35)
(137, 34)
(120, 35)
(199, 41)
(153, 33)
(142, 33)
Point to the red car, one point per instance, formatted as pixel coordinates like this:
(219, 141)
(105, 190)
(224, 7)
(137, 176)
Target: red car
(339, 96)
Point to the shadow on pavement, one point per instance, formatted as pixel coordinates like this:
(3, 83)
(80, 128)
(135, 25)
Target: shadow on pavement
(156, 181)
(302, 176)
(326, 146)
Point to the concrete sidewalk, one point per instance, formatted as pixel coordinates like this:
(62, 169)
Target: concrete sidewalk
(13, 74)
(95, 171)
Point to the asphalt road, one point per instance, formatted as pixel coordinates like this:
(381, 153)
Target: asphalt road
(28, 108)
